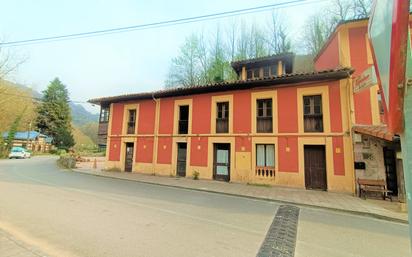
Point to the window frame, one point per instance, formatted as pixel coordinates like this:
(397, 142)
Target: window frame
(265, 155)
(131, 124)
(264, 117)
(313, 114)
(104, 115)
(224, 117)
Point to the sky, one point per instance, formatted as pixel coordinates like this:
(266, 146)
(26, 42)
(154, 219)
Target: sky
(117, 63)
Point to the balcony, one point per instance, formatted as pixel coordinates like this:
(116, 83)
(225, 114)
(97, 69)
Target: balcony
(183, 126)
(265, 172)
(131, 127)
(222, 125)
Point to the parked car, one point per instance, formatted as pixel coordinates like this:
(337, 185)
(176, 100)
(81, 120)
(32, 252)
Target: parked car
(19, 153)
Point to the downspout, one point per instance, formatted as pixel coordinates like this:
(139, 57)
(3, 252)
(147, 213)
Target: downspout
(350, 125)
(156, 133)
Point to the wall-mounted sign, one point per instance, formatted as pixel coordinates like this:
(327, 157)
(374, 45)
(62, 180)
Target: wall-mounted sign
(365, 80)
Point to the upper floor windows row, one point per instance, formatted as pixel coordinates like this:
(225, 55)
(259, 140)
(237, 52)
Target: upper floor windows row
(312, 116)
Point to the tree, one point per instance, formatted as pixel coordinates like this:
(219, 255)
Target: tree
(185, 69)
(320, 26)
(54, 118)
(278, 39)
(13, 129)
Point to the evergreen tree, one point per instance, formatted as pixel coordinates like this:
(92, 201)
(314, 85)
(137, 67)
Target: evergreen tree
(54, 118)
(13, 130)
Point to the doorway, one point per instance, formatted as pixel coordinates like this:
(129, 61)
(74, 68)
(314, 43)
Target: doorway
(389, 158)
(128, 163)
(221, 162)
(315, 167)
(181, 159)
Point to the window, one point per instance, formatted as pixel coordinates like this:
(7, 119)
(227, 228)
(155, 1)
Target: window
(265, 155)
(249, 74)
(266, 72)
(312, 112)
(104, 115)
(183, 119)
(131, 123)
(274, 70)
(222, 117)
(264, 116)
(256, 73)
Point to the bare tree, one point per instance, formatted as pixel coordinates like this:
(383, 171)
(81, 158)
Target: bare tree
(278, 39)
(361, 8)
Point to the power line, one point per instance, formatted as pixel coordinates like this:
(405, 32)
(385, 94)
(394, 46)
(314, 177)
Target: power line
(158, 24)
(39, 99)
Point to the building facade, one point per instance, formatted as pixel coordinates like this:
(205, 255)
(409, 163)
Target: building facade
(272, 126)
(31, 140)
(377, 152)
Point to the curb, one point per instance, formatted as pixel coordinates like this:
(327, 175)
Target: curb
(358, 213)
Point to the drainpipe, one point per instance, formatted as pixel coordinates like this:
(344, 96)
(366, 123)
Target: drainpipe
(156, 133)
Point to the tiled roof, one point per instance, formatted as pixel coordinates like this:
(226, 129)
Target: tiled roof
(261, 59)
(280, 81)
(380, 131)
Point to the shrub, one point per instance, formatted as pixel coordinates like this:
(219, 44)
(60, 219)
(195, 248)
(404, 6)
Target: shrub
(196, 175)
(67, 161)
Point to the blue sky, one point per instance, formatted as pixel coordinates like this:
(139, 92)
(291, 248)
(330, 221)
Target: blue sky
(118, 63)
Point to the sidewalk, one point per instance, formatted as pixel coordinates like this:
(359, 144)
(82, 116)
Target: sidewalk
(10, 246)
(318, 199)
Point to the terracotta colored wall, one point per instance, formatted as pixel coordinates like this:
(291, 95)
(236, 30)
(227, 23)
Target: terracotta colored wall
(287, 110)
(288, 161)
(359, 61)
(335, 107)
(114, 150)
(147, 113)
(338, 157)
(144, 150)
(201, 114)
(166, 116)
(198, 151)
(242, 112)
(243, 144)
(329, 58)
(117, 118)
(164, 151)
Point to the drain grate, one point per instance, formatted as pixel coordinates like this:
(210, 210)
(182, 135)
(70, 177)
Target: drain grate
(280, 240)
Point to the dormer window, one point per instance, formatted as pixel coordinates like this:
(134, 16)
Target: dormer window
(256, 73)
(274, 70)
(266, 72)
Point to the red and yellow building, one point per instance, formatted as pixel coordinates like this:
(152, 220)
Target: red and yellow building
(278, 124)
(272, 126)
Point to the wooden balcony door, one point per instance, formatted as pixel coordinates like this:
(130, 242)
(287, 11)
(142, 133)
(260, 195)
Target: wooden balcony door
(315, 167)
(221, 162)
(181, 159)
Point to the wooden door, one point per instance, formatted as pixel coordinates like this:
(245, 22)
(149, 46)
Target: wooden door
(315, 167)
(128, 164)
(389, 158)
(221, 162)
(181, 159)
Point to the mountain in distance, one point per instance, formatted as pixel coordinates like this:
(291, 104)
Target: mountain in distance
(81, 116)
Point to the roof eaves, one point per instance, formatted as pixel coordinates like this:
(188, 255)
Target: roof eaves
(285, 79)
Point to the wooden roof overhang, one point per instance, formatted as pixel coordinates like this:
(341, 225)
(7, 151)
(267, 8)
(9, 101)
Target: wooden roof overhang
(279, 81)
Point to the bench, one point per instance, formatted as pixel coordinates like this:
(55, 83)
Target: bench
(371, 185)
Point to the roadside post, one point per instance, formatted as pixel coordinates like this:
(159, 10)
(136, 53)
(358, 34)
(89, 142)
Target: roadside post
(389, 38)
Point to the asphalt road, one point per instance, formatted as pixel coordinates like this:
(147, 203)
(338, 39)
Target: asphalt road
(65, 213)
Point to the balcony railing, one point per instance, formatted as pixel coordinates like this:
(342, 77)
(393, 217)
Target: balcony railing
(264, 125)
(265, 172)
(183, 126)
(222, 125)
(131, 128)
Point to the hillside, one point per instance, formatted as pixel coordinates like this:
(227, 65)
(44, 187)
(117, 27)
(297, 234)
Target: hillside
(81, 116)
(82, 141)
(16, 97)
